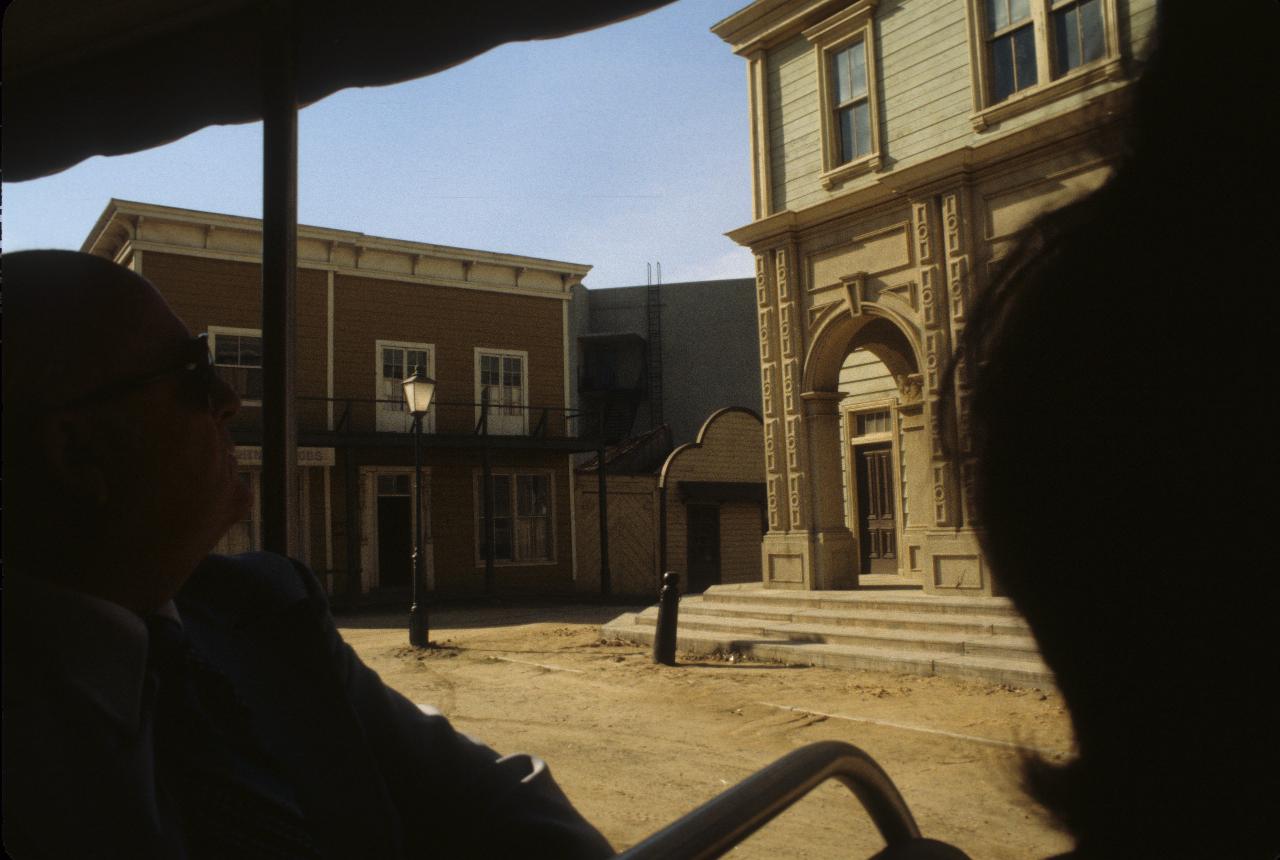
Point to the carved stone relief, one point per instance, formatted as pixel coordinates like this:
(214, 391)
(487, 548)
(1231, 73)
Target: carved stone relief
(786, 329)
(775, 509)
(910, 387)
(951, 221)
(771, 446)
(942, 495)
(766, 389)
(796, 484)
(958, 286)
(935, 346)
(766, 338)
(920, 218)
(762, 282)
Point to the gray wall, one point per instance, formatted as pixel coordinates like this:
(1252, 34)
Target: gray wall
(710, 347)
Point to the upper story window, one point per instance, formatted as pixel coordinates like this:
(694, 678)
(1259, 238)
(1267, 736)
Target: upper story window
(396, 361)
(1011, 47)
(1029, 52)
(1079, 36)
(501, 382)
(237, 357)
(852, 106)
(844, 47)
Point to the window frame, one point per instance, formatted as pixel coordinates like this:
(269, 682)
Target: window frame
(514, 474)
(523, 355)
(830, 38)
(1048, 88)
(429, 421)
(214, 331)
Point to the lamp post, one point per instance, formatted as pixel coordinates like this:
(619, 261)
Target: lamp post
(418, 390)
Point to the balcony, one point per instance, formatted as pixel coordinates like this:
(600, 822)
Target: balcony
(371, 422)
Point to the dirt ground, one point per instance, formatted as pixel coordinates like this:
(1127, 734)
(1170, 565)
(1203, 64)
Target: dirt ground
(637, 745)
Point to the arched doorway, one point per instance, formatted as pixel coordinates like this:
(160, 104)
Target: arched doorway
(865, 410)
(873, 471)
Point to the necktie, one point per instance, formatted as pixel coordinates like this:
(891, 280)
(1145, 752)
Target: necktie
(232, 800)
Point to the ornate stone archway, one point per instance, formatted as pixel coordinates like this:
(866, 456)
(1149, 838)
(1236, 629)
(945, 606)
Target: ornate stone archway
(899, 288)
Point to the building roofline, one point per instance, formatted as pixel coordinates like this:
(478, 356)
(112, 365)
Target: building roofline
(98, 241)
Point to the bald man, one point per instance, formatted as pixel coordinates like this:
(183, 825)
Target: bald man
(160, 702)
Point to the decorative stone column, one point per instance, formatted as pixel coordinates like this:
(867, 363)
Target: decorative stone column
(833, 548)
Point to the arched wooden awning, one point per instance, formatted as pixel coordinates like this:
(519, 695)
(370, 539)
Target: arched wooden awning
(85, 78)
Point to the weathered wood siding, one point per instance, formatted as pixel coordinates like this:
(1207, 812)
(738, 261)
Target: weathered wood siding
(795, 150)
(633, 534)
(925, 93)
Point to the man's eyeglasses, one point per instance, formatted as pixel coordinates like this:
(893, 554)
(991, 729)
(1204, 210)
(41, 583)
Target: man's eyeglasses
(197, 379)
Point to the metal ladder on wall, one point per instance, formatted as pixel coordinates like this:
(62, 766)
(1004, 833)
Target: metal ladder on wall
(718, 825)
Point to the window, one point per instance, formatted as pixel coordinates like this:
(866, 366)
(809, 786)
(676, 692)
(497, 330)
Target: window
(522, 529)
(1028, 52)
(237, 357)
(500, 377)
(395, 361)
(1011, 47)
(1078, 34)
(852, 108)
(869, 423)
(845, 51)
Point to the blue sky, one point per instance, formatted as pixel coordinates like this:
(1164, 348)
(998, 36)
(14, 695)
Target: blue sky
(624, 145)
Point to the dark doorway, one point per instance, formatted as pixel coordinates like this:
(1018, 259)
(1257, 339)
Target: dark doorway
(395, 540)
(704, 546)
(877, 531)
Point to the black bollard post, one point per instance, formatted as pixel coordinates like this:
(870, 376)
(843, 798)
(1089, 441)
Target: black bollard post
(664, 639)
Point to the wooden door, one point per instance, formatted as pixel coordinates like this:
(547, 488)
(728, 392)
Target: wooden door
(395, 531)
(703, 547)
(877, 529)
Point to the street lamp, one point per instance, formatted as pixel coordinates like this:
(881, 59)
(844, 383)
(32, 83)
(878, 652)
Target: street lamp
(418, 390)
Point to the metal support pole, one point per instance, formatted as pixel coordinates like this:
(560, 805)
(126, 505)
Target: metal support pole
(419, 634)
(490, 578)
(664, 637)
(606, 584)
(279, 275)
(662, 530)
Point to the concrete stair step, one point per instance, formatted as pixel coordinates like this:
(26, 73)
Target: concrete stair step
(997, 625)
(1015, 672)
(873, 600)
(1015, 647)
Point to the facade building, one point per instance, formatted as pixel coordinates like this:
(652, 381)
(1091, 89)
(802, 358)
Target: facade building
(656, 363)
(696, 509)
(666, 353)
(369, 311)
(898, 149)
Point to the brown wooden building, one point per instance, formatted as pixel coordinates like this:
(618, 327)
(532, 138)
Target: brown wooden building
(370, 310)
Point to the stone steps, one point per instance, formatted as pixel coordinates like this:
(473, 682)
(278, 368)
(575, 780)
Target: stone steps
(976, 638)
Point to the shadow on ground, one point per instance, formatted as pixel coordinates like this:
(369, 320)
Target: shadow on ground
(466, 616)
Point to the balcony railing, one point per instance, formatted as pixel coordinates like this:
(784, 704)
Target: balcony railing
(358, 416)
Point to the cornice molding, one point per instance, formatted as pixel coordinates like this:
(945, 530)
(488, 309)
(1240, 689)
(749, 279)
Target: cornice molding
(104, 239)
(961, 164)
(132, 246)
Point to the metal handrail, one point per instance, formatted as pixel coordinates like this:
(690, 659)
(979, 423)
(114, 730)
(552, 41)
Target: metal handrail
(733, 815)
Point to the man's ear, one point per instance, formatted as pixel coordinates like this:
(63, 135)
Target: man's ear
(73, 451)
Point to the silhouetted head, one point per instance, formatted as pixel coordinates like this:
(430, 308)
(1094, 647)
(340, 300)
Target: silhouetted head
(1122, 373)
(116, 449)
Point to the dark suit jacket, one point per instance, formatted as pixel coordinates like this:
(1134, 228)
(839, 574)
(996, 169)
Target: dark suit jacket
(375, 776)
